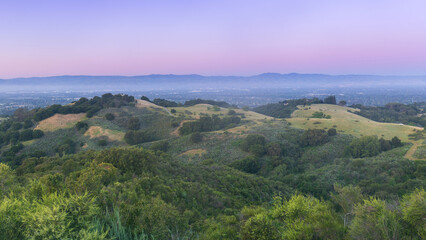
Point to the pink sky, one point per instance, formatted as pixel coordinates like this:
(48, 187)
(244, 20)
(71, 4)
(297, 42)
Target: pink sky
(45, 38)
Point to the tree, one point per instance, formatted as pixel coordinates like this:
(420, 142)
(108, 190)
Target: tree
(332, 132)
(346, 198)
(81, 126)
(109, 116)
(374, 220)
(145, 98)
(38, 133)
(26, 135)
(133, 123)
(314, 137)
(330, 100)
(413, 208)
(196, 137)
(396, 142)
(342, 103)
(306, 217)
(366, 146)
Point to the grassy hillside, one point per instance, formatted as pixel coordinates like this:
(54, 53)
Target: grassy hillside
(349, 123)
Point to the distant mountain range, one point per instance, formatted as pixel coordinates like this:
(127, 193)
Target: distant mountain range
(168, 82)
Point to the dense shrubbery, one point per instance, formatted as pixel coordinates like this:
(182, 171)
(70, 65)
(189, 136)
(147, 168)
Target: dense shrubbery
(393, 112)
(207, 123)
(369, 146)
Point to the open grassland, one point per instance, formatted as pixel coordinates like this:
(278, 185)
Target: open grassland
(350, 123)
(98, 132)
(59, 121)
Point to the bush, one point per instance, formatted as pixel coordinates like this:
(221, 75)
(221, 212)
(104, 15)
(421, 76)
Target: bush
(109, 116)
(38, 133)
(102, 142)
(366, 146)
(81, 126)
(133, 123)
(173, 111)
(332, 132)
(196, 137)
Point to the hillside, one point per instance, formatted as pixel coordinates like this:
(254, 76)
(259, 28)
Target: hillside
(115, 167)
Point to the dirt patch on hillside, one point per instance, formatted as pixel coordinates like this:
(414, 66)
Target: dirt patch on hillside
(59, 121)
(98, 131)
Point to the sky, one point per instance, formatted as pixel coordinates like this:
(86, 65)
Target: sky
(233, 37)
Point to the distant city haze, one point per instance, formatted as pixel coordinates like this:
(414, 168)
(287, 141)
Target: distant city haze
(238, 37)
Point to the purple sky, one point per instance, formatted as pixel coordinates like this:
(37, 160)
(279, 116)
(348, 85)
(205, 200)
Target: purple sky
(233, 37)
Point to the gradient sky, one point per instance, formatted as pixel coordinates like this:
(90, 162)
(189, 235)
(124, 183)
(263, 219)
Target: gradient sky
(233, 37)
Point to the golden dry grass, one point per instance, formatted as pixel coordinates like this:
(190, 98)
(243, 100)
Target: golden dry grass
(98, 131)
(145, 104)
(59, 121)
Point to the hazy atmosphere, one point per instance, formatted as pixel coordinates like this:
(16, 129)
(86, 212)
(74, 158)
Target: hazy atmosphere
(213, 120)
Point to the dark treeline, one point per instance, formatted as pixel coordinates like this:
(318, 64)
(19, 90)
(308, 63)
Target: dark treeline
(285, 108)
(412, 114)
(202, 101)
(85, 105)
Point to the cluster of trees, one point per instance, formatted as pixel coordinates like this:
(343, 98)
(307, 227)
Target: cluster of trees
(208, 123)
(370, 146)
(394, 112)
(202, 101)
(134, 137)
(285, 108)
(162, 102)
(320, 115)
(84, 105)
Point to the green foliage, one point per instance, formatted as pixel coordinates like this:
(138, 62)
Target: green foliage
(165, 103)
(109, 116)
(83, 126)
(366, 146)
(413, 208)
(84, 105)
(251, 140)
(207, 123)
(210, 102)
(133, 123)
(38, 133)
(285, 108)
(332, 132)
(307, 218)
(196, 137)
(374, 220)
(314, 137)
(320, 115)
(140, 136)
(330, 100)
(394, 112)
